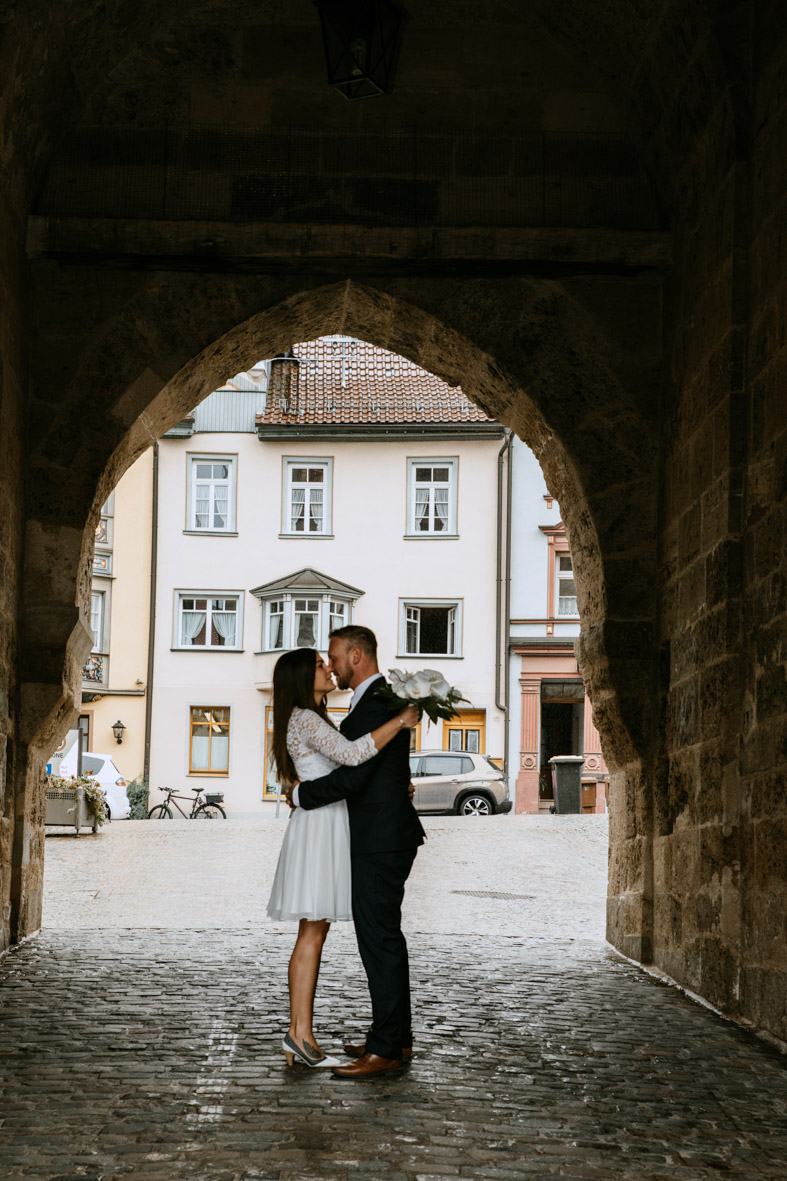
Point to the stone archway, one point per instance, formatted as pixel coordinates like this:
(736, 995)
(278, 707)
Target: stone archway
(532, 353)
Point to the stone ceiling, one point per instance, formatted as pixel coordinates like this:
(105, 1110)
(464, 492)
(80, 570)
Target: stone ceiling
(499, 64)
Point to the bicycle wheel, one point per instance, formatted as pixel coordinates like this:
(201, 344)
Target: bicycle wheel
(160, 812)
(210, 812)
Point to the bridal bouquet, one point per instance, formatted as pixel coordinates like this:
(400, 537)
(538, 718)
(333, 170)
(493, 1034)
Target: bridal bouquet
(427, 689)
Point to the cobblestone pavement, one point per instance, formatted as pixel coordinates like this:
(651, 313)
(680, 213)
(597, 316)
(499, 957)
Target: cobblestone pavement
(140, 1029)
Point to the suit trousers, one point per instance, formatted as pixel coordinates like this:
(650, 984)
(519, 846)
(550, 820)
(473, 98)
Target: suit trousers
(377, 891)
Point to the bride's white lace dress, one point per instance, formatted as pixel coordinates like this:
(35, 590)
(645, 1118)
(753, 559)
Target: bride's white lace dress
(312, 878)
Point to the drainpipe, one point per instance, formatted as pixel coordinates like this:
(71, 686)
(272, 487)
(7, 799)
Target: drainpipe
(503, 598)
(152, 616)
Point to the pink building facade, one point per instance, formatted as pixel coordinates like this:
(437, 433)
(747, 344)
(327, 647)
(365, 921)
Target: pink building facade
(549, 711)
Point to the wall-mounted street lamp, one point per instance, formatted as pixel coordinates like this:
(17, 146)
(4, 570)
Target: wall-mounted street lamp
(361, 40)
(117, 730)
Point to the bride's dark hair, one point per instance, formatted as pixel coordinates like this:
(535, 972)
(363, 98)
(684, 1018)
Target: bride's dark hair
(293, 687)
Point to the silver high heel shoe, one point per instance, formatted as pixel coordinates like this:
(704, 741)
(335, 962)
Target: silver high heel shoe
(307, 1054)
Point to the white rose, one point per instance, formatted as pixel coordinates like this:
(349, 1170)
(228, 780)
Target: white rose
(438, 685)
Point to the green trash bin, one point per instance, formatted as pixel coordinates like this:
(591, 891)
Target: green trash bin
(567, 783)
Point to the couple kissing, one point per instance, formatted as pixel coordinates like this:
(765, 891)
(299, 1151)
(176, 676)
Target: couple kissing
(350, 842)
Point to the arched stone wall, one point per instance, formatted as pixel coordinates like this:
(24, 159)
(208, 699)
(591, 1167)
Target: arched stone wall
(151, 359)
(699, 89)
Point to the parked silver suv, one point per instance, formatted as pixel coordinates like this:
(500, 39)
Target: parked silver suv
(457, 781)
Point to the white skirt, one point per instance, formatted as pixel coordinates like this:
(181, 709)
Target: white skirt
(313, 877)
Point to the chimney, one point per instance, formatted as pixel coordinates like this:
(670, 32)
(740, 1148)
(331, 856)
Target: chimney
(283, 381)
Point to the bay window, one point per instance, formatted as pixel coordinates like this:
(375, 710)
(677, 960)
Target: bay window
(292, 620)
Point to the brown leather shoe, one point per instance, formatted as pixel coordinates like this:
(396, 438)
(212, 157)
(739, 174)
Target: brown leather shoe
(366, 1066)
(359, 1051)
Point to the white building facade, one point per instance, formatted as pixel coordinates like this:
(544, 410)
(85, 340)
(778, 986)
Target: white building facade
(337, 484)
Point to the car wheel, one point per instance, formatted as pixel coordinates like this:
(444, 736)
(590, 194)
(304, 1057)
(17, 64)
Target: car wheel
(475, 804)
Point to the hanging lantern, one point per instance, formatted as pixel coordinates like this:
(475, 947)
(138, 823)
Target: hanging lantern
(361, 39)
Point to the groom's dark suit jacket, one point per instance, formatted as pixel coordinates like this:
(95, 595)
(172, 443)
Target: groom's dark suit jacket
(382, 817)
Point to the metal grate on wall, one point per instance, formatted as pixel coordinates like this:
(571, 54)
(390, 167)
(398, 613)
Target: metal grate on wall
(407, 179)
(500, 894)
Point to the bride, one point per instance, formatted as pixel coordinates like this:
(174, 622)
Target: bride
(312, 882)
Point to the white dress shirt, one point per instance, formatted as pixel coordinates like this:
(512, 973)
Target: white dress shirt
(356, 697)
(361, 689)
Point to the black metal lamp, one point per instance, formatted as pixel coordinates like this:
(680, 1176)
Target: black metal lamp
(361, 39)
(117, 730)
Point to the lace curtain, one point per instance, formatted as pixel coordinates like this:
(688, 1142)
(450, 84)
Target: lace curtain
(297, 509)
(440, 510)
(226, 625)
(192, 625)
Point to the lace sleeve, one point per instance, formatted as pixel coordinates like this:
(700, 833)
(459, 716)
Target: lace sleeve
(319, 735)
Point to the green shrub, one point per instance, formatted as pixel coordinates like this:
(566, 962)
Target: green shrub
(137, 792)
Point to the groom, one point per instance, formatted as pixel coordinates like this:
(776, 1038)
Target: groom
(385, 833)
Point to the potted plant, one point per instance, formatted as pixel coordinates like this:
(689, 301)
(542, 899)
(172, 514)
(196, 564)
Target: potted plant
(79, 802)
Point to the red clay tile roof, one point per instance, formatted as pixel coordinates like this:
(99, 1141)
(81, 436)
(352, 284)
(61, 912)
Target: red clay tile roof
(342, 380)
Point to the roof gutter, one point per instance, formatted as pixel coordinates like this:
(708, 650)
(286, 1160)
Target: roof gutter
(151, 617)
(503, 596)
(381, 432)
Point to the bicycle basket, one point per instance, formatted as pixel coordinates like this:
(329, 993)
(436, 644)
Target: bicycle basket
(214, 797)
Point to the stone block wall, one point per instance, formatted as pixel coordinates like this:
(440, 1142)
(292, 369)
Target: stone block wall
(13, 381)
(763, 676)
(720, 775)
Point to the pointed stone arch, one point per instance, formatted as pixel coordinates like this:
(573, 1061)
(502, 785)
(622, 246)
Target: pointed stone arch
(539, 355)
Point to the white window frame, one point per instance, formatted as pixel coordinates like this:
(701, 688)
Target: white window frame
(451, 531)
(100, 641)
(177, 631)
(289, 464)
(230, 526)
(310, 606)
(560, 576)
(408, 609)
(326, 600)
(275, 608)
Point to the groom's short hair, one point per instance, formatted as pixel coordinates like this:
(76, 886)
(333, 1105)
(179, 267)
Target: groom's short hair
(356, 636)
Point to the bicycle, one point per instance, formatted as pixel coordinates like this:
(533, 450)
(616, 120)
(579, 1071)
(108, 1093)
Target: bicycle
(208, 808)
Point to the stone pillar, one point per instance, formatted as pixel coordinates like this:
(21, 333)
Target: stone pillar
(530, 742)
(591, 743)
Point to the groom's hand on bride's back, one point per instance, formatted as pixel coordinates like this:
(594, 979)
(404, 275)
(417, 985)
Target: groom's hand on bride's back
(289, 793)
